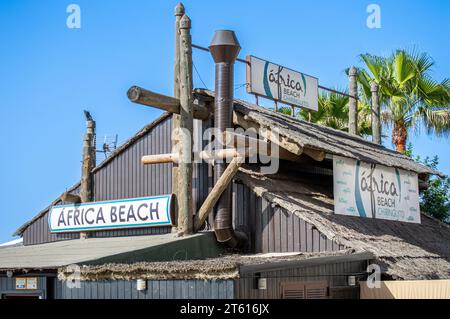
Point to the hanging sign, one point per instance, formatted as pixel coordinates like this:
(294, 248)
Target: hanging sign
(26, 283)
(126, 213)
(375, 191)
(281, 84)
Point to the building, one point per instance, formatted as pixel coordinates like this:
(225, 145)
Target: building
(294, 236)
(296, 245)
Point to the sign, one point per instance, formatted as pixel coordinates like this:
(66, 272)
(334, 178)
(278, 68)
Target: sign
(32, 283)
(126, 213)
(278, 83)
(21, 283)
(375, 191)
(29, 283)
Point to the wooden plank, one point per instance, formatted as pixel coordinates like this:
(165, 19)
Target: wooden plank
(267, 133)
(217, 191)
(170, 104)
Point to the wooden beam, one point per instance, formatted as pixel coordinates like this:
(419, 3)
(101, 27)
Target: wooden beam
(263, 148)
(226, 154)
(179, 11)
(170, 104)
(70, 198)
(217, 191)
(282, 141)
(215, 155)
(185, 213)
(160, 159)
(315, 154)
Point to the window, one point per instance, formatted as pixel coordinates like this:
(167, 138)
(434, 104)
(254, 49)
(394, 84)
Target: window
(304, 290)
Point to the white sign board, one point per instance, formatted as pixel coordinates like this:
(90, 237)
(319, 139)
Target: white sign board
(126, 213)
(282, 84)
(375, 191)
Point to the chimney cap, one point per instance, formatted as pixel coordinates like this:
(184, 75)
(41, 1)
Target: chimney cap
(224, 46)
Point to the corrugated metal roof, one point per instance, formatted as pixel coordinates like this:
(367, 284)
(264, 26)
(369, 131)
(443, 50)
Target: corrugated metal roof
(106, 250)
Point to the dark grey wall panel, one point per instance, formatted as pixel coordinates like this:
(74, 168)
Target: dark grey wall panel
(270, 229)
(273, 229)
(156, 289)
(334, 274)
(123, 177)
(8, 286)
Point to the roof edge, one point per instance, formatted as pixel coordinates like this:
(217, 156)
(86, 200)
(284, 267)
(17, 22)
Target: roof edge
(113, 155)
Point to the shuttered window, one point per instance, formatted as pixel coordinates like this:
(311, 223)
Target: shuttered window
(304, 290)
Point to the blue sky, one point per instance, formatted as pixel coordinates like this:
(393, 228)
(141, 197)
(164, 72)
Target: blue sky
(49, 73)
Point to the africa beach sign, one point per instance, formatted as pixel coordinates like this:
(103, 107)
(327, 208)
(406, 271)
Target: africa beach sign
(281, 84)
(115, 214)
(375, 191)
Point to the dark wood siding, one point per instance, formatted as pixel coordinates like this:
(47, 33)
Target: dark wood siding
(273, 229)
(126, 177)
(122, 177)
(8, 286)
(334, 274)
(156, 289)
(269, 228)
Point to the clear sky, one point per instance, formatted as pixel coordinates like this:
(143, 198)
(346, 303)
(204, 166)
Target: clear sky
(49, 73)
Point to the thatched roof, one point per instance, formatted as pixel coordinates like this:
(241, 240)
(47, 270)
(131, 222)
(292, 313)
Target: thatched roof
(305, 134)
(322, 138)
(220, 268)
(404, 250)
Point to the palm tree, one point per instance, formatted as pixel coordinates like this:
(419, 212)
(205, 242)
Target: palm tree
(333, 112)
(409, 96)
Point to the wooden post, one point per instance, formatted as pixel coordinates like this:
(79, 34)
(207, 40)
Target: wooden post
(353, 102)
(376, 123)
(185, 220)
(86, 187)
(179, 11)
(221, 184)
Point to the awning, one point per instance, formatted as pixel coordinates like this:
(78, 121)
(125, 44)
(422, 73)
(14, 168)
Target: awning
(94, 251)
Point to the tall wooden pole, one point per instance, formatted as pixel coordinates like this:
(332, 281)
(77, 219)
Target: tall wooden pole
(88, 164)
(179, 11)
(185, 216)
(376, 123)
(353, 102)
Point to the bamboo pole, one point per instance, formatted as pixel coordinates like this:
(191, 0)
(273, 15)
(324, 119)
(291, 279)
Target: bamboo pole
(185, 220)
(221, 184)
(170, 104)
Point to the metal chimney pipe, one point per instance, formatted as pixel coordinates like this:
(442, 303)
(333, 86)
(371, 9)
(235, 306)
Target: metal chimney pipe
(224, 49)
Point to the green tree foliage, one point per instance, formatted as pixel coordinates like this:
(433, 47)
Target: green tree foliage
(434, 201)
(333, 112)
(409, 95)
